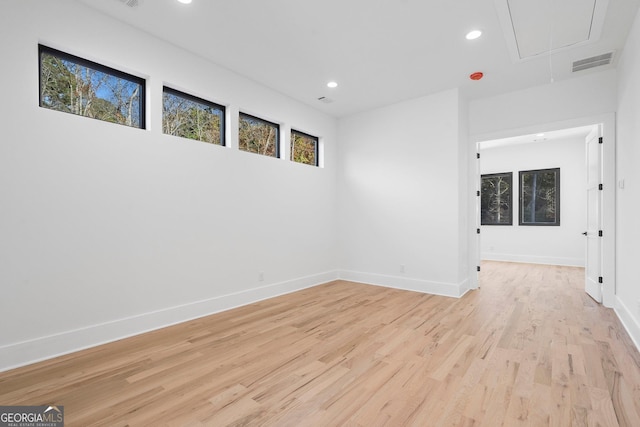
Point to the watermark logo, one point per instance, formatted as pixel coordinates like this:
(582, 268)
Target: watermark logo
(31, 416)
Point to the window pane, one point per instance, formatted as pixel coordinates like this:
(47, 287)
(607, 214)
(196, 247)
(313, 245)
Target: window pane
(539, 197)
(304, 148)
(77, 86)
(193, 118)
(258, 136)
(496, 200)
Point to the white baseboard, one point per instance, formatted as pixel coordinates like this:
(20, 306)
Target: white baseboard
(26, 352)
(406, 283)
(630, 323)
(532, 259)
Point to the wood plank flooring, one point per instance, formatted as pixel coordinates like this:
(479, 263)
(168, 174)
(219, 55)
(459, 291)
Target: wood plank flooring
(530, 348)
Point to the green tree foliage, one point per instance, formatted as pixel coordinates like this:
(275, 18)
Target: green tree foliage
(77, 89)
(189, 119)
(304, 149)
(258, 136)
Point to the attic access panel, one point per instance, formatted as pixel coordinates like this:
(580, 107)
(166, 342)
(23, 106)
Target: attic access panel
(534, 28)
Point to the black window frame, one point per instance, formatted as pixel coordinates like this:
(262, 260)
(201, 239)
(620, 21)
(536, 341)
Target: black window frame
(276, 125)
(509, 176)
(65, 56)
(202, 101)
(316, 149)
(557, 198)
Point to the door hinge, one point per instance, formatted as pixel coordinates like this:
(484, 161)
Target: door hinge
(600, 279)
(600, 140)
(478, 230)
(600, 187)
(599, 233)
(478, 193)
(478, 268)
(477, 155)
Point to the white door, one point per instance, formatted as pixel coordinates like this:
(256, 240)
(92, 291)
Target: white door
(593, 271)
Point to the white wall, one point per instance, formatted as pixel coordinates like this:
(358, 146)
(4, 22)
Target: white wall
(628, 198)
(399, 195)
(498, 116)
(107, 231)
(558, 245)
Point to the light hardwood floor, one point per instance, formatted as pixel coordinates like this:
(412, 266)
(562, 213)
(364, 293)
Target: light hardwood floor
(528, 349)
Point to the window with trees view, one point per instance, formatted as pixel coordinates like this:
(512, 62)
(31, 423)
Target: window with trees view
(496, 199)
(79, 86)
(304, 148)
(190, 117)
(540, 197)
(259, 136)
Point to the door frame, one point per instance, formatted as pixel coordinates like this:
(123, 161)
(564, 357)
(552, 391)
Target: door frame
(608, 122)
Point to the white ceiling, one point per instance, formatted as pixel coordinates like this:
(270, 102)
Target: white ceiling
(556, 135)
(379, 51)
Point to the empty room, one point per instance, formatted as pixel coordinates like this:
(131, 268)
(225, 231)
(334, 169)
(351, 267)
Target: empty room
(336, 213)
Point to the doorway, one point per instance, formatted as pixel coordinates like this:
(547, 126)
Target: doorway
(546, 147)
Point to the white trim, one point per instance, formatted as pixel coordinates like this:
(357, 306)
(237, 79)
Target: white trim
(477, 214)
(407, 283)
(628, 321)
(533, 259)
(609, 211)
(26, 352)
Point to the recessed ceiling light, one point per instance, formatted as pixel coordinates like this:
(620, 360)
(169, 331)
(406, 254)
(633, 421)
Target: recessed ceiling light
(539, 134)
(332, 84)
(472, 35)
(185, 1)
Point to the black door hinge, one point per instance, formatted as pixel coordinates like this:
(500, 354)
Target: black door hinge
(478, 193)
(599, 233)
(600, 140)
(478, 230)
(600, 279)
(478, 268)
(477, 155)
(600, 187)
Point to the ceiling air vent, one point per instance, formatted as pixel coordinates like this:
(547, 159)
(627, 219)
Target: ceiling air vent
(131, 3)
(325, 100)
(594, 61)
